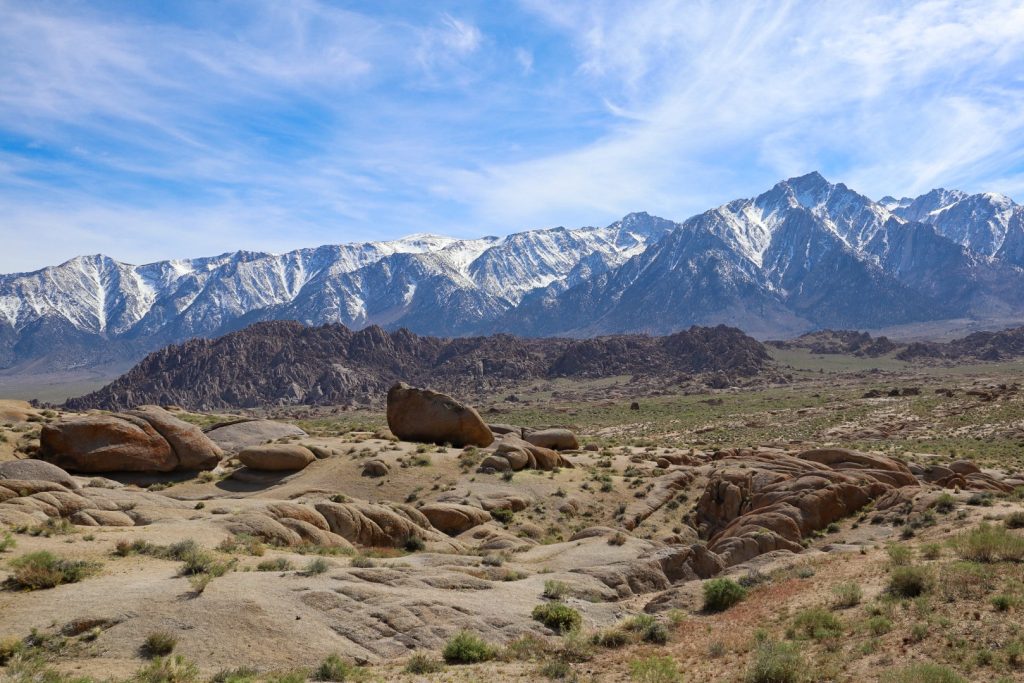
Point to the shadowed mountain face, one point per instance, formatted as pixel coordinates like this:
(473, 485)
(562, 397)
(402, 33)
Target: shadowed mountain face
(287, 362)
(805, 255)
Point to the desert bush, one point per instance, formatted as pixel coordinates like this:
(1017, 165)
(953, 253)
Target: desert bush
(334, 668)
(557, 616)
(243, 543)
(988, 543)
(610, 638)
(175, 669)
(879, 625)
(922, 673)
(775, 662)
(503, 515)
(899, 555)
(7, 542)
(909, 582)
(159, 644)
(363, 562)
(278, 564)
(817, 623)
(848, 594)
(466, 648)
(242, 674)
(945, 503)
(1003, 603)
(721, 594)
(655, 670)
(555, 590)
(1014, 520)
(43, 569)
(931, 551)
(317, 565)
(423, 663)
(414, 544)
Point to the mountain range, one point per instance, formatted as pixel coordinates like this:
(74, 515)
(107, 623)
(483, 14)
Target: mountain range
(805, 255)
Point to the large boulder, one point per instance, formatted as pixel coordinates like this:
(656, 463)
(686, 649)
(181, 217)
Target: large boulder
(146, 440)
(277, 457)
(428, 416)
(235, 436)
(555, 439)
(452, 518)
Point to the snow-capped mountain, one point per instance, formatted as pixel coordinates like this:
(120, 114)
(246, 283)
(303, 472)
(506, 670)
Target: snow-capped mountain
(805, 254)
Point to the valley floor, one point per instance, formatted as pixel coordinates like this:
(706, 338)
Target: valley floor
(921, 580)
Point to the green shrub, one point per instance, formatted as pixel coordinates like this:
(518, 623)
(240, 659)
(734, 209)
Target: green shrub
(721, 594)
(817, 623)
(363, 562)
(931, 551)
(922, 673)
(503, 515)
(159, 644)
(945, 503)
(278, 564)
(557, 616)
(414, 544)
(776, 662)
(909, 582)
(466, 648)
(1003, 603)
(7, 542)
(988, 543)
(43, 569)
(848, 594)
(334, 668)
(175, 669)
(422, 663)
(555, 590)
(1014, 520)
(610, 638)
(655, 670)
(879, 625)
(317, 565)
(242, 674)
(555, 669)
(899, 555)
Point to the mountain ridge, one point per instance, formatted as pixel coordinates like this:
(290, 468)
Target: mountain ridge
(805, 254)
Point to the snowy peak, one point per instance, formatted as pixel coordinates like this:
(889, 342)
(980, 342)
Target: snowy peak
(978, 221)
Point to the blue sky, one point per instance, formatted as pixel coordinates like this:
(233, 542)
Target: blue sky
(151, 130)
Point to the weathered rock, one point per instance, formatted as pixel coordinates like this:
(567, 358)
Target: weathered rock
(148, 440)
(276, 457)
(555, 439)
(453, 519)
(381, 525)
(495, 463)
(424, 415)
(375, 468)
(192, 448)
(37, 470)
(235, 436)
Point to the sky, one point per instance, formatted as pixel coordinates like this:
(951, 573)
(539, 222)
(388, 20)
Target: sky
(155, 130)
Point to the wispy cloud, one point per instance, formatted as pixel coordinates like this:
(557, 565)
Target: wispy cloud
(187, 128)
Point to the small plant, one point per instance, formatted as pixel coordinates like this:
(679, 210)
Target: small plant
(43, 569)
(922, 673)
(945, 503)
(988, 543)
(776, 662)
(422, 663)
(879, 625)
(242, 674)
(503, 515)
(363, 562)
(655, 670)
(804, 571)
(899, 555)
(159, 644)
(555, 669)
(610, 638)
(466, 648)
(1002, 603)
(278, 564)
(414, 544)
(334, 668)
(817, 623)
(618, 538)
(848, 594)
(918, 632)
(721, 594)
(1014, 520)
(909, 582)
(175, 669)
(317, 565)
(492, 560)
(555, 590)
(931, 551)
(7, 542)
(557, 616)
